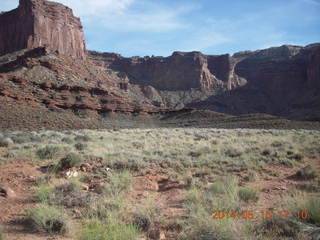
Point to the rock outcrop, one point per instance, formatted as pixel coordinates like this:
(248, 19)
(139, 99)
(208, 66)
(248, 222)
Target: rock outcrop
(42, 23)
(283, 81)
(273, 81)
(182, 71)
(52, 69)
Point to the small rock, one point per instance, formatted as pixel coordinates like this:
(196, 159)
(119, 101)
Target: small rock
(70, 174)
(156, 234)
(85, 167)
(8, 192)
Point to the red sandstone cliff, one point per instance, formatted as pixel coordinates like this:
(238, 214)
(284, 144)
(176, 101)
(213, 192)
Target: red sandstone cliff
(42, 23)
(182, 71)
(282, 81)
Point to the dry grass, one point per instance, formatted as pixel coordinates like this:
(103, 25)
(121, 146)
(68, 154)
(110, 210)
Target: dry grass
(211, 148)
(204, 160)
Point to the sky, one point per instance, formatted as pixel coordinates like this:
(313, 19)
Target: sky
(160, 27)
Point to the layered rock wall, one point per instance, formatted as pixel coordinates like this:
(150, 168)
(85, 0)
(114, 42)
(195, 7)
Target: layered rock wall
(42, 23)
(181, 71)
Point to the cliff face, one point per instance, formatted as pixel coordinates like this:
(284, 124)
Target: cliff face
(313, 70)
(42, 23)
(181, 71)
(277, 80)
(282, 80)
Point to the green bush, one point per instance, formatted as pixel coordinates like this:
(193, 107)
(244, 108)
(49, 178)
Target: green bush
(217, 187)
(5, 142)
(47, 219)
(307, 173)
(142, 222)
(1, 236)
(48, 152)
(300, 201)
(70, 187)
(110, 229)
(82, 138)
(277, 228)
(43, 193)
(248, 194)
(67, 140)
(146, 217)
(69, 161)
(118, 183)
(80, 146)
(227, 185)
(312, 206)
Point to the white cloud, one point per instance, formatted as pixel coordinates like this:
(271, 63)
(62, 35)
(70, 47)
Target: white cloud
(128, 15)
(96, 7)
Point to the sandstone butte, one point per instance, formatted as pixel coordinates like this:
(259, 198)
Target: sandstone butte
(42, 23)
(50, 54)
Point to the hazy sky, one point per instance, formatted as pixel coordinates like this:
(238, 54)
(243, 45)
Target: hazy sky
(159, 27)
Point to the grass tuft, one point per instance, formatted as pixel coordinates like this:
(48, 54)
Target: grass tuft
(248, 194)
(48, 152)
(307, 173)
(110, 229)
(43, 193)
(69, 161)
(48, 219)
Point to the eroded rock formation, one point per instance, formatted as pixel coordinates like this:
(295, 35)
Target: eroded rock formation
(180, 72)
(42, 23)
(52, 69)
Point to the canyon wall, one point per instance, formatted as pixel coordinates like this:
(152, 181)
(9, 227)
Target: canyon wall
(182, 71)
(42, 23)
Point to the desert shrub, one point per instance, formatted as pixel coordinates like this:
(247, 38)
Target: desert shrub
(47, 219)
(312, 206)
(69, 161)
(266, 152)
(40, 181)
(283, 161)
(233, 152)
(67, 140)
(221, 195)
(43, 193)
(278, 144)
(146, 217)
(142, 221)
(217, 187)
(132, 164)
(69, 187)
(200, 226)
(48, 152)
(80, 146)
(300, 201)
(307, 173)
(296, 156)
(19, 139)
(248, 194)
(118, 183)
(82, 138)
(102, 207)
(251, 177)
(277, 228)
(110, 229)
(227, 185)
(5, 142)
(11, 155)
